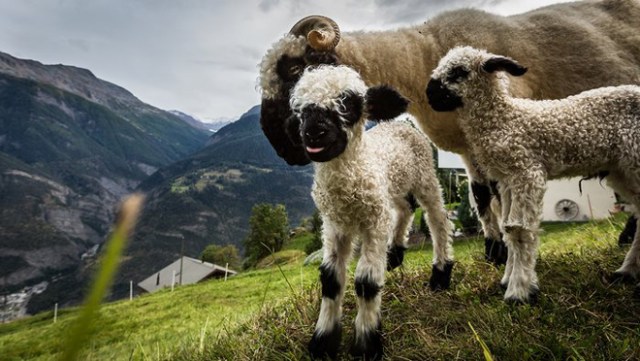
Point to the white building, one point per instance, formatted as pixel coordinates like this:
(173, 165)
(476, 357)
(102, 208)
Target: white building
(193, 271)
(563, 200)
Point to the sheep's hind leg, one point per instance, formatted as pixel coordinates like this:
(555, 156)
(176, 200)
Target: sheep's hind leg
(404, 214)
(337, 252)
(630, 269)
(627, 187)
(430, 200)
(369, 279)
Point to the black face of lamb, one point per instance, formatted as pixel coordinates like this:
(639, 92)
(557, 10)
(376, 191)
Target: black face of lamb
(441, 99)
(275, 112)
(322, 135)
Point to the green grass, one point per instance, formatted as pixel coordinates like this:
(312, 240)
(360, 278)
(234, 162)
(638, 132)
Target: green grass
(299, 241)
(270, 314)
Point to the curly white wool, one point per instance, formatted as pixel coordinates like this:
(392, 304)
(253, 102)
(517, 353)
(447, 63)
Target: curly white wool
(521, 143)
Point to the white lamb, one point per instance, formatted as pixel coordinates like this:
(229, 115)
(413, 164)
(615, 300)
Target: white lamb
(522, 143)
(361, 186)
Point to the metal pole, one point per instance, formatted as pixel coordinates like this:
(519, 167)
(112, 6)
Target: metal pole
(226, 270)
(181, 259)
(130, 290)
(55, 313)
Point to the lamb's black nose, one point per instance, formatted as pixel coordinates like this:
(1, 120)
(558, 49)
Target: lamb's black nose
(441, 98)
(315, 134)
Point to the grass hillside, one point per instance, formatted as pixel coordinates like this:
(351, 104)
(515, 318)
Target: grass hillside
(269, 314)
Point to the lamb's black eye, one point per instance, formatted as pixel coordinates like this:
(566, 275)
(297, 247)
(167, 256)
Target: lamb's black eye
(457, 74)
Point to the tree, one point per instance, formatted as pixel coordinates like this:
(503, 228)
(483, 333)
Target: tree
(221, 255)
(316, 231)
(269, 230)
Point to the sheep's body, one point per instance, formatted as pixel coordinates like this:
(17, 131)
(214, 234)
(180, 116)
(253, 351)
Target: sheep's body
(571, 47)
(593, 131)
(361, 192)
(522, 143)
(375, 179)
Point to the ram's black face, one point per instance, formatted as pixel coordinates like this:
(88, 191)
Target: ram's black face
(321, 133)
(275, 111)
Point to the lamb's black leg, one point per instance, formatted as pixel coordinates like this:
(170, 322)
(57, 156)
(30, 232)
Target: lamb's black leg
(395, 256)
(626, 236)
(441, 279)
(495, 249)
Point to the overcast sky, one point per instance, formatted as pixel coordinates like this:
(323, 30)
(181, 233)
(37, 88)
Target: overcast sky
(196, 56)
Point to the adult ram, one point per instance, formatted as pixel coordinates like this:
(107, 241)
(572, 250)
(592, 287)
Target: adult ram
(569, 47)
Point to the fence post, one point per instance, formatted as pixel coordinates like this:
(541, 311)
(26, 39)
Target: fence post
(173, 280)
(55, 313)
(226, 270)
(130, 290)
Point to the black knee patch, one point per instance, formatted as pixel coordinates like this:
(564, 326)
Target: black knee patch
(441, 279)
(482, 196)
(413, 203)
(629, 231)
(366, 288)
(495, 251)
(326, 344)
(494, 189)
(329, 280)
(395, 257)
(369, 345)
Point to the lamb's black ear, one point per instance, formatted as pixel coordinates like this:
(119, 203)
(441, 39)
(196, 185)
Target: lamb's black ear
(384, 103)
(292, 127)
(506, 64)
(351, 109)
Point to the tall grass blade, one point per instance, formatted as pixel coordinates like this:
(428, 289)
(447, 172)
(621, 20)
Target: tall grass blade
(80, 331)
(485, 348)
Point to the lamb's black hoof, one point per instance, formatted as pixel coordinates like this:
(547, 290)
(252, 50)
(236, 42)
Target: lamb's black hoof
(532, 299)
(395, 256)
(504, 286)
(495, 251)
(626, 236)
(441, 279)
(326, 344)
(620, 277)
(369, 346)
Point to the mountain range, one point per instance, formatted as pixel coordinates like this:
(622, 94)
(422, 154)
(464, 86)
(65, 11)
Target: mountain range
(71, 145)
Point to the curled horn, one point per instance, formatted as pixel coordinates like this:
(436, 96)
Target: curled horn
(323, 34)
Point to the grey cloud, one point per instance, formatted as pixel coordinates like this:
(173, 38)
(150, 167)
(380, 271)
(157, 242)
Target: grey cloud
(267, 5)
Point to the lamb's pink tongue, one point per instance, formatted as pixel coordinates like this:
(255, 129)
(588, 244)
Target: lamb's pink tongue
(314, 150)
